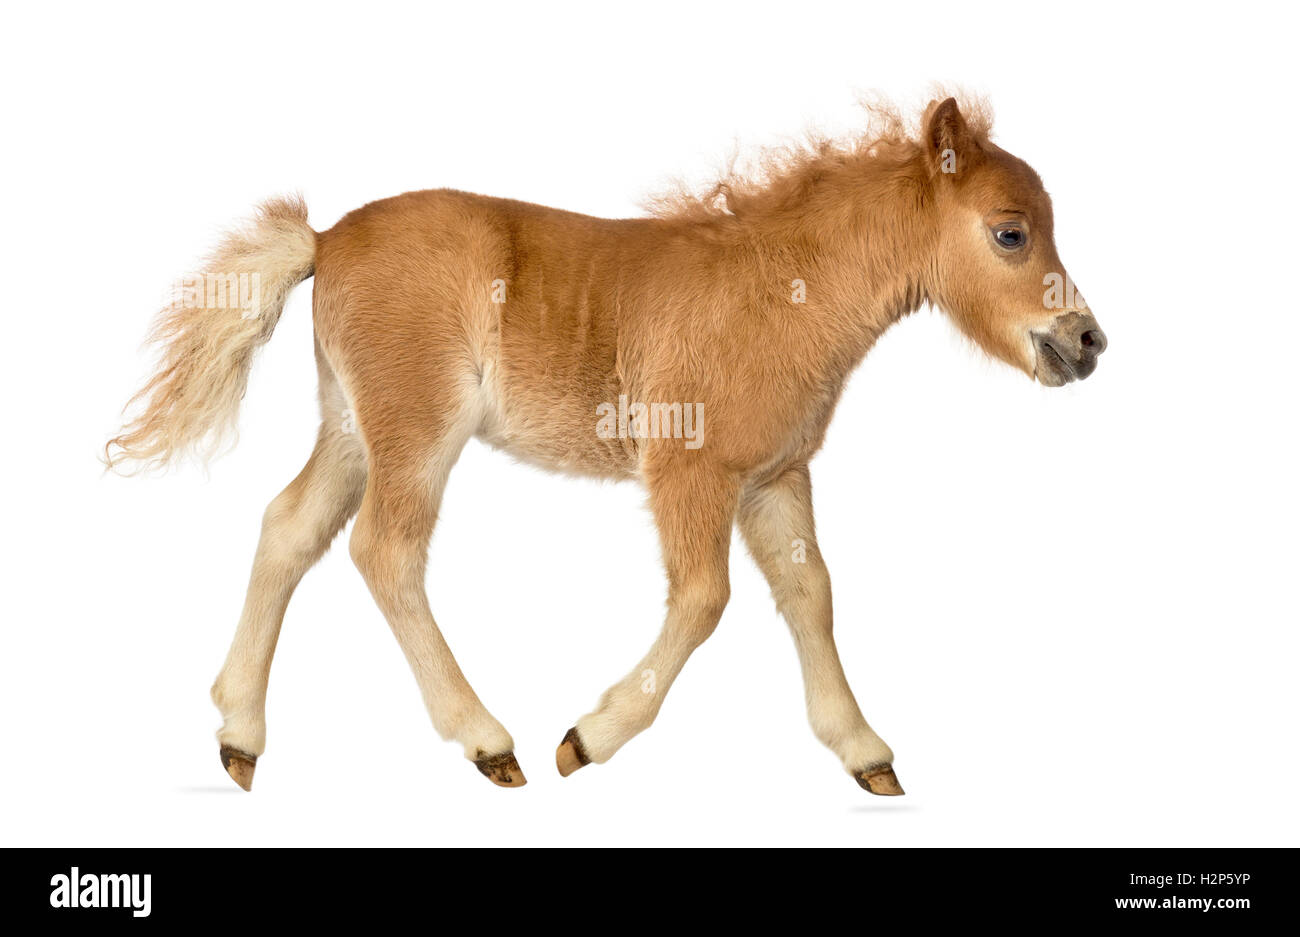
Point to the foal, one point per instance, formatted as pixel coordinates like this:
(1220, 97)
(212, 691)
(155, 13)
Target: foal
(731, 322)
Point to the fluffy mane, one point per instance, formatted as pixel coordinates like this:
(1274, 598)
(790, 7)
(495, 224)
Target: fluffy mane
(783, 177)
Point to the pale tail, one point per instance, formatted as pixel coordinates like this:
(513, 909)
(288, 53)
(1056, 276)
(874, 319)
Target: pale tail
(208, 334)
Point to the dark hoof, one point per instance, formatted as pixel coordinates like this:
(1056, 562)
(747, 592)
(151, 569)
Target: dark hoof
(570, 756)
(239, 765)
(881, 781)
(502, 770)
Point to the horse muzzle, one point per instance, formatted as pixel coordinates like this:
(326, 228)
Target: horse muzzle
(1068, 350)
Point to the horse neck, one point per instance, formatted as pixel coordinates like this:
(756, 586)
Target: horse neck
(867, 240)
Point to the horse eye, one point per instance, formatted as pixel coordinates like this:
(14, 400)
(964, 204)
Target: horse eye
(1010, 238)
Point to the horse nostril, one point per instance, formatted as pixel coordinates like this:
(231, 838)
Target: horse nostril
(1093, 341)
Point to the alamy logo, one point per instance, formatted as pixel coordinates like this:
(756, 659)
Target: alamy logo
(637, 420)
(1061, 293)
(101, 891)
(242, 291)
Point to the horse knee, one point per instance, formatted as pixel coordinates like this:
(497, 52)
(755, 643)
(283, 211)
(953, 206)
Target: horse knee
(699, 607)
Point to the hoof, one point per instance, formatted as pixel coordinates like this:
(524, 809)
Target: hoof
(879, 781)
(502, 770)
(570, 756)
(239, 765)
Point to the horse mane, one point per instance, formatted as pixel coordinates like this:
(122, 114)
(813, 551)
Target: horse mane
(784, 177)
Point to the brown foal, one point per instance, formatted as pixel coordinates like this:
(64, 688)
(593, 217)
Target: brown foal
(700, 350)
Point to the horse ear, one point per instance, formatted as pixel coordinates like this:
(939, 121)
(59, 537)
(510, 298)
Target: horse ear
(949, 144)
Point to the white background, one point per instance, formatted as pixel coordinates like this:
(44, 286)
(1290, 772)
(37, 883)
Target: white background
(1071, 612)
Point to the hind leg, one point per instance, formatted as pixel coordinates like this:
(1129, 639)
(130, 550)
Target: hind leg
(296, 530)
(411, 454)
